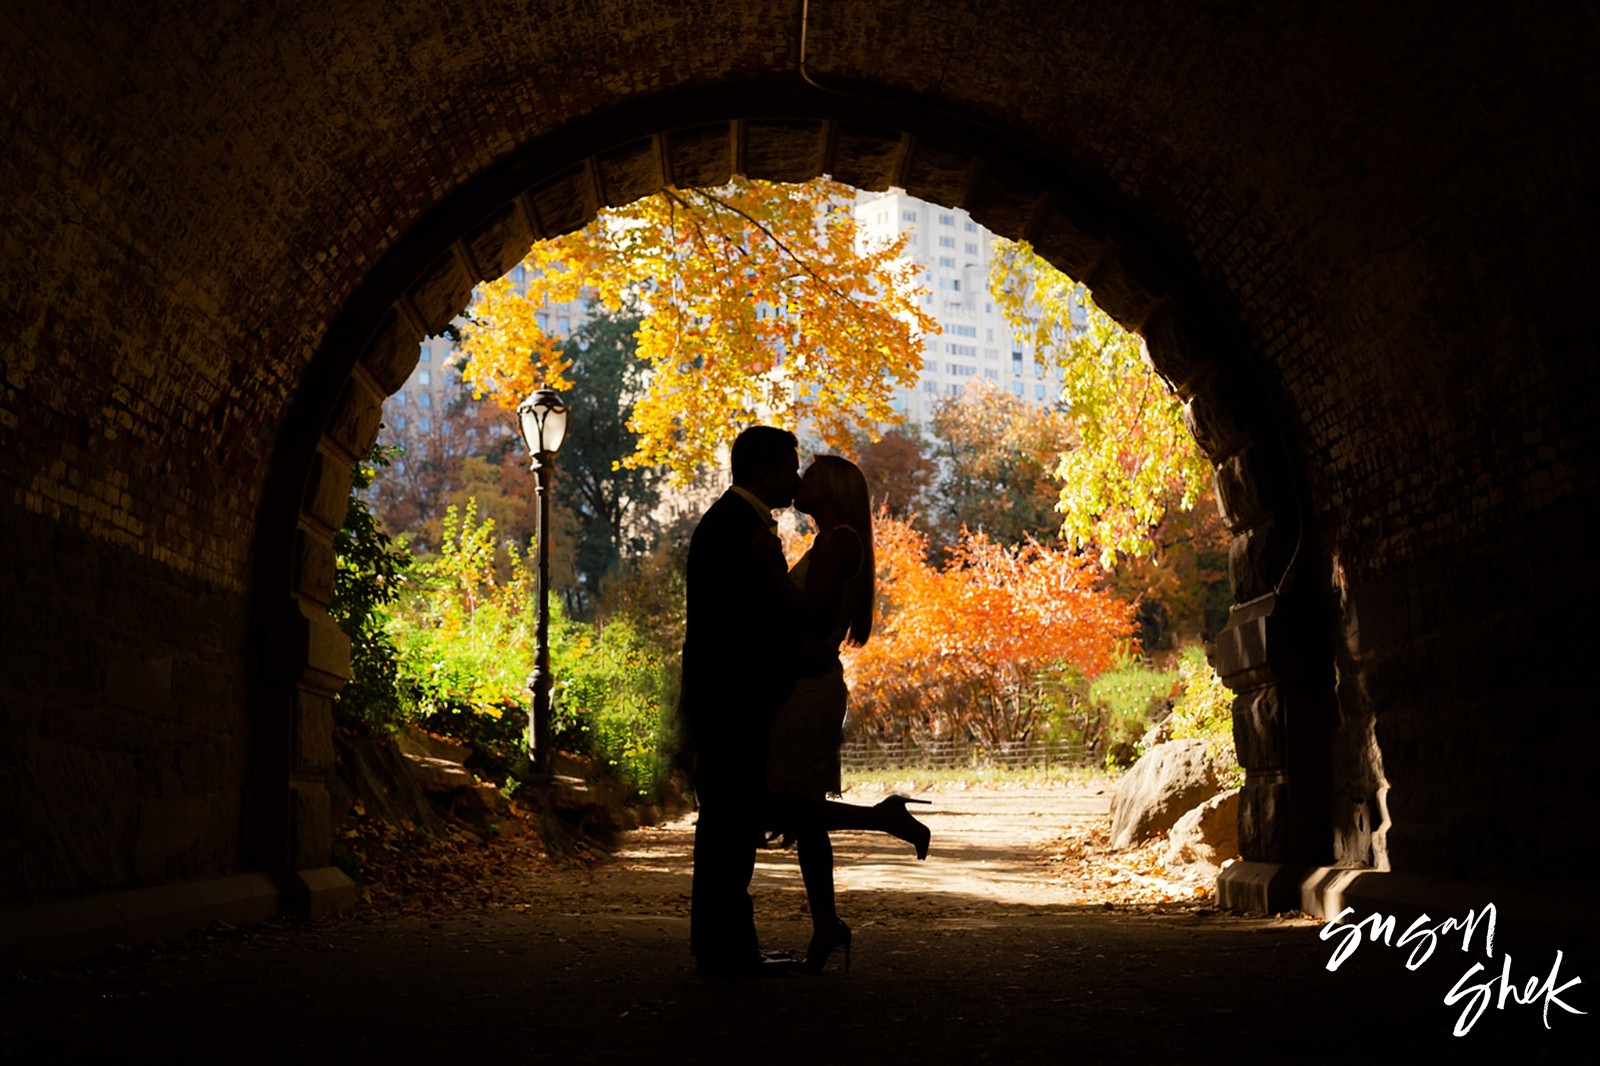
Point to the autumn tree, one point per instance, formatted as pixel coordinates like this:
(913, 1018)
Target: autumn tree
(612, 502)
(756, 303)
(999, 456)
(899, 470)
(1132, 454)
(958, 649)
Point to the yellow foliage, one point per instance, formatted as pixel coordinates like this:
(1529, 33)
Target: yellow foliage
(758, 303)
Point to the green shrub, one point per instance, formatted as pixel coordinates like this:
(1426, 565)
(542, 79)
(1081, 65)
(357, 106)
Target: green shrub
(1204, 709)
(1129, 697)
(369, 567)
(615, 695)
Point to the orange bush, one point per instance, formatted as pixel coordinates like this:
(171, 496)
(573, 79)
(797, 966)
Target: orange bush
(956, 649)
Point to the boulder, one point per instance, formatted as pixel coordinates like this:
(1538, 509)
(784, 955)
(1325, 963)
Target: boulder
(1207, 834)
(435, 762)
(1167, 781)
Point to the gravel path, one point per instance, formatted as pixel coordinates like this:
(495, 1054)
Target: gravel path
(983, 953)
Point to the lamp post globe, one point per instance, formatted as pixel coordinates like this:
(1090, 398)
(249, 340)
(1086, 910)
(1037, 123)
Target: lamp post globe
(543, 417)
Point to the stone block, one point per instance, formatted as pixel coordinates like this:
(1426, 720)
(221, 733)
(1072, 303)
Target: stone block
(1256, 561)
(313, 565)
(1258, 729)
(564, 202)
(1212, 415)
(317, 892)
(938, 174)
(441, 293)
(701, 156)
(1066, 243)
(497, 244)
(1125, 288)
(327, 650)
(1263, 808)
(313, 733)
(356, 418)
(783, 151)
(391, 355)
(629, 172)
(328, 489)
(1173, 350)
(1003, 203)
(865, 157)
(311, 824)
(1241, 494)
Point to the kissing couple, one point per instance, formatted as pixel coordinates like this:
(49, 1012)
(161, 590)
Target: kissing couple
(763, 699)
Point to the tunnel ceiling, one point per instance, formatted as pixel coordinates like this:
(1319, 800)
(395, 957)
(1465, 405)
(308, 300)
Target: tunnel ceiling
(1359, 189)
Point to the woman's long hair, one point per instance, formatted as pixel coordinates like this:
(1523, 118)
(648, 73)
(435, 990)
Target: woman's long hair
(846, 487)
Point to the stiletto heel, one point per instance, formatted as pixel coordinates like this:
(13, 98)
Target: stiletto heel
(901, 824)
(823, 945)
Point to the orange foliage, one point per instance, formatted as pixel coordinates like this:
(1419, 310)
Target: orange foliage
(958, 647)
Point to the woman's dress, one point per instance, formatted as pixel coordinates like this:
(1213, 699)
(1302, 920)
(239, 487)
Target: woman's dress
(803, 752)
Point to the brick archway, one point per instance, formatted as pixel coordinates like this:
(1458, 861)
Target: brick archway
(784, 132)
(1360, 239)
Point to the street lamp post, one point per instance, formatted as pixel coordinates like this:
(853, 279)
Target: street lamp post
(544, 425)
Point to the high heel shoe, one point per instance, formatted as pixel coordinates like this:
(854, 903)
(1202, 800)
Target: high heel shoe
(823, 944)
(900, 823)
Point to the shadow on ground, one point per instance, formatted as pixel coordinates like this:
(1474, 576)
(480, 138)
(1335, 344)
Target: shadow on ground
(973, 956)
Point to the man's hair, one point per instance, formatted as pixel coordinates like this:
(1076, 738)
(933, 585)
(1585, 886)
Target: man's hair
(759, 447)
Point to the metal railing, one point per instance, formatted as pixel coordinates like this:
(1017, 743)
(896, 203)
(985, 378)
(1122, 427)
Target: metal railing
(963, 754)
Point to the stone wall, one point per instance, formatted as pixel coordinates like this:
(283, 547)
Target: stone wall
(1359, 238)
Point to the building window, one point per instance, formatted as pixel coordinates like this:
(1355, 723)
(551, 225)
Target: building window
(991, 353)
(970, 226)
(543, 320)
(427, 354)
(947, 220)
(1038, 392)
(962, 331)
(952, 284)
(955, 389)
(425, 400)
(399, 422)
(967, 350)
(426, 423)
(992, 375)
(972, 249)
(947, 242)
(1016, 388)
(564, 324)
(400, 398)
(947, 261)
(1016, 363)
(425, 377)
(908, 216)
(931, 387)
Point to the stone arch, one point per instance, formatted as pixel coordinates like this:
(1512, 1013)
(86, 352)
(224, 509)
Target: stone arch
(783, 132)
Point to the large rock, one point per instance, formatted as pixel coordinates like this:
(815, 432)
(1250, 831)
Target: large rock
(1208, 834)
(1168, 780)
(435, 762)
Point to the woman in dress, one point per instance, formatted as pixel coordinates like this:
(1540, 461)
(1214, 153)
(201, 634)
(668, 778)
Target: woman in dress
(835, 582)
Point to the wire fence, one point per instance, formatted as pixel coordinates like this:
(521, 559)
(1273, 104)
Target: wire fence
(908, 754)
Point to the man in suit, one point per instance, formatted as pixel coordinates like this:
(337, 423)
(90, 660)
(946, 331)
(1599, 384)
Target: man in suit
(740, 660)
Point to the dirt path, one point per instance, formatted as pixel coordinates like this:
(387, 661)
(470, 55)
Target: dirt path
(989, 951)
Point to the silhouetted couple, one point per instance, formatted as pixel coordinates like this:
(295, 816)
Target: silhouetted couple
(763, 698)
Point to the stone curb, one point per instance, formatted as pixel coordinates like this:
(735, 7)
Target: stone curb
(61, 931)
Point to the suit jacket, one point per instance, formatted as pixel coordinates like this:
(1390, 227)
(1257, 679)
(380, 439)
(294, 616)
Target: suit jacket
(741, 641)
